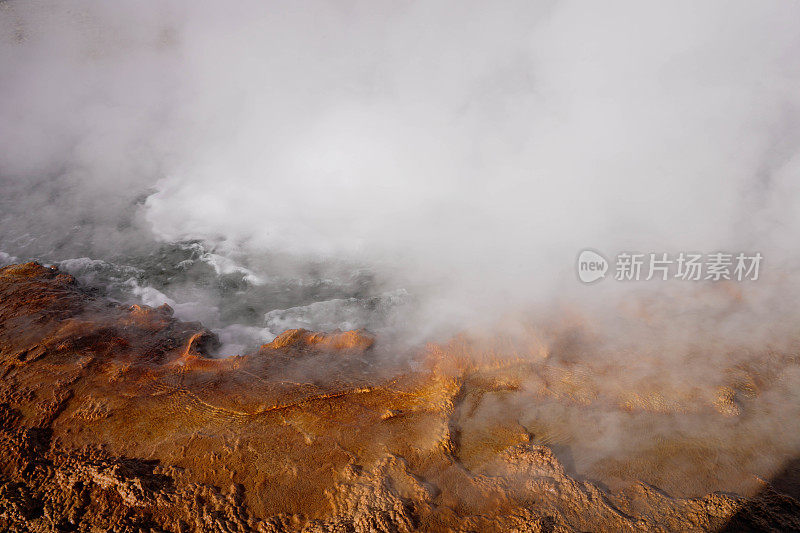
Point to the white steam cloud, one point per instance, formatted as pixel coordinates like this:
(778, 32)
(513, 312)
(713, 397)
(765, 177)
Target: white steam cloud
(467, 149)
(428, 168)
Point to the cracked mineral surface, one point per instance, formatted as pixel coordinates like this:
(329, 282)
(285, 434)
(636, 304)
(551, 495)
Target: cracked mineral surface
(117, 418)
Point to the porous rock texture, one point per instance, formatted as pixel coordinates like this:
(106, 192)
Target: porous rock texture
(114, 418)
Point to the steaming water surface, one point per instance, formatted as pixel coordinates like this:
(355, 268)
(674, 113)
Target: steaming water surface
(425, 169)
(245, 307)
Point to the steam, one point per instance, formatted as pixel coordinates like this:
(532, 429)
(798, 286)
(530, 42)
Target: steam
(462, 152)
(421, 169)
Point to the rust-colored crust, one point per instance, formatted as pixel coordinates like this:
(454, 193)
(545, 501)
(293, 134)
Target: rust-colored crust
(115, 418)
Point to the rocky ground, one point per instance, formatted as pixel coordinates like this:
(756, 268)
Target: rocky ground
(114, 418)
